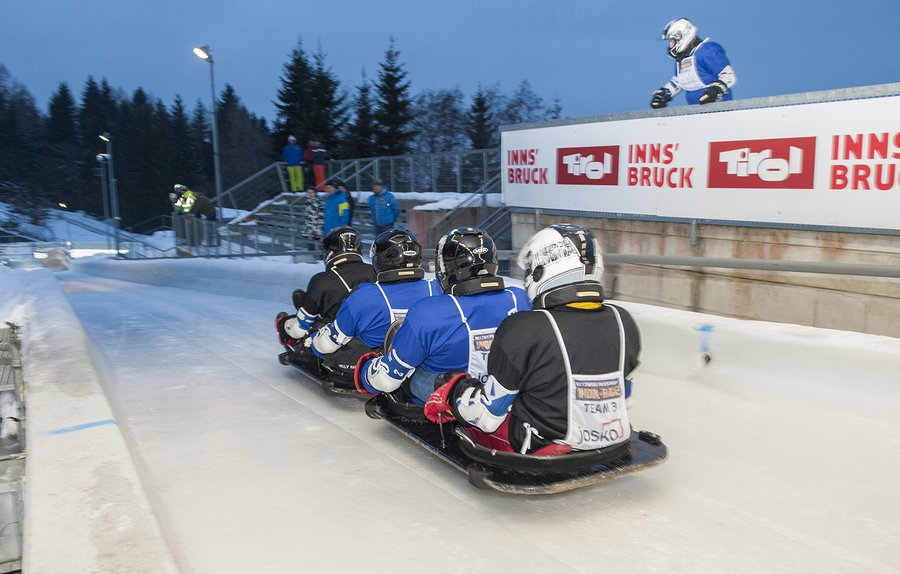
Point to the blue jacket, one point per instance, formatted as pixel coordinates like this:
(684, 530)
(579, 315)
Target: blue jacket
(368, 312)
(434, 338)
(696, 72)
(292, 154)
(384, 208)
(336, 213)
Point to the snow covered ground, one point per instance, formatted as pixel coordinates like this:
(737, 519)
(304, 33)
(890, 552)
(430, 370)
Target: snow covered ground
(783, 449)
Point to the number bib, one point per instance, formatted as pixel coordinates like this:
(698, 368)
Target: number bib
(480, 341)
(597, 415)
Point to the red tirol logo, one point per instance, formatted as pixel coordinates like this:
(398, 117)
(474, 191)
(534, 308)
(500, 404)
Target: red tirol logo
(785, 163)
(598, 165)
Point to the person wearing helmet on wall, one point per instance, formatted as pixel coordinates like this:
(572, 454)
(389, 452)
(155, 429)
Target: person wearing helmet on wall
(449, 332)
(319, 303)
(366, 314)
(557, 374)
(702, 69)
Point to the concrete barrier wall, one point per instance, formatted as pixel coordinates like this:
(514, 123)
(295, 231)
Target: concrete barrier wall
(862, 304)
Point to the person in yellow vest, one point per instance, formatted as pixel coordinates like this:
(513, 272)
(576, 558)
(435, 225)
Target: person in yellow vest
(184, 198)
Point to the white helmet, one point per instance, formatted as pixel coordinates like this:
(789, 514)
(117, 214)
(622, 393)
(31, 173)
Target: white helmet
(560, 255)
(179, 188)
(681, 34)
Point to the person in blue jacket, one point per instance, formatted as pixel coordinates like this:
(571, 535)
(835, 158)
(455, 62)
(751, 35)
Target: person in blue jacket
(384, 207)
(337, 209)
(292, 154)
(366, 314)
(702, 69)
(452, 332)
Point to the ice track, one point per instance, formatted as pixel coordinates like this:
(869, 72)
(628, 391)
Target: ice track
(251, 468)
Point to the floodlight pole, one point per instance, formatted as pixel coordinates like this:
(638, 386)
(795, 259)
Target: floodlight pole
(113, 189)
(101, 159)
(204, 53)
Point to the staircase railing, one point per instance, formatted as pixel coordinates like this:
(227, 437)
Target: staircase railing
(260, 186)
(477, 198)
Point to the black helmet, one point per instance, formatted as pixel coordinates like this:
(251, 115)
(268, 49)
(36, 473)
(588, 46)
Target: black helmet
(340, 240)
(464, 253)
(395, 249)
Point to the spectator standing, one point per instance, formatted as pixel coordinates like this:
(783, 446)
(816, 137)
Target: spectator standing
(292, 153)
(343, 187)
(384, 208)
(317, 156)
(337, 209)
(312, 227)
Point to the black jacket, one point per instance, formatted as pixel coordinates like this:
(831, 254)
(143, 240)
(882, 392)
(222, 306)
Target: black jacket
(526, 357)
(328, 289)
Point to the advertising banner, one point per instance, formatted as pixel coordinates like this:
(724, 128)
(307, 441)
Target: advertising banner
(828, 164)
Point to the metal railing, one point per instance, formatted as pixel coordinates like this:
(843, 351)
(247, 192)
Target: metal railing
(459, 171)
(855, 269)
(251, 191)
(475, 199)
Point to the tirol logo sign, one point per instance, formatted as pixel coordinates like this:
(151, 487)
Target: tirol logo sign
(598, 165)
(784, 163)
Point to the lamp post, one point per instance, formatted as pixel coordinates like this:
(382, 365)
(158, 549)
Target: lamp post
(204, 53)
(113, 188)
(101, 171)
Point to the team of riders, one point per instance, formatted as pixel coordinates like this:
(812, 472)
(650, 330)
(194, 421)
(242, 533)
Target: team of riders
(542, 370)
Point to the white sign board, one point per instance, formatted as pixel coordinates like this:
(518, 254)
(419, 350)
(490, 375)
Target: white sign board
(829, 164)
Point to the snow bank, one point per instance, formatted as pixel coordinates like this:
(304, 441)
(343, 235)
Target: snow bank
(75, 447)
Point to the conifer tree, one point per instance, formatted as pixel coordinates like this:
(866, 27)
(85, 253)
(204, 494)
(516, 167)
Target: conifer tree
(61, 149)
(295, 102)
(481, 128)
(21, 181)
(201, 142)
(184, 160)
(328, 110)
(360, 139)
(439, 121)
(244, 145)
(393, 111)
(141, 191)
(96, 115)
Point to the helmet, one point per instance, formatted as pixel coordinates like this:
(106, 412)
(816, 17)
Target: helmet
(464, 253)
(681, 34)
(560, 255)
(395, 249)
(180, 188)
(340, 240)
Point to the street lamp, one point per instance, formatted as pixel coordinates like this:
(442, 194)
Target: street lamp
(204, 53)
(101, 171)
(113, 189)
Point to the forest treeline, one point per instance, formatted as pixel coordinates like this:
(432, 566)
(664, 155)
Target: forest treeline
(50, 158)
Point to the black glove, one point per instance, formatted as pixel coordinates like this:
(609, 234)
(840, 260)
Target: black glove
(661, 97)
(714, 93)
